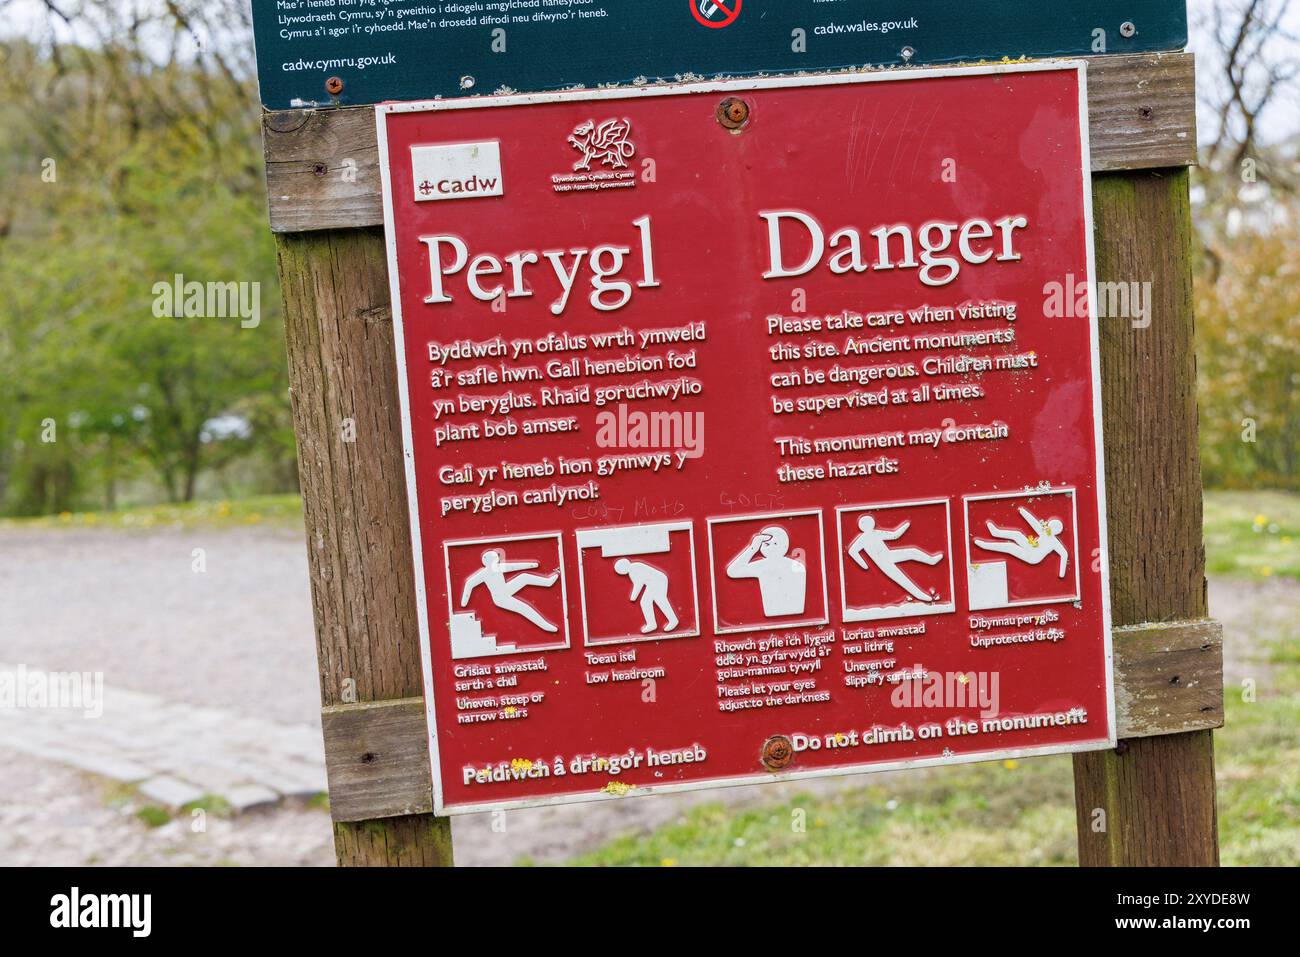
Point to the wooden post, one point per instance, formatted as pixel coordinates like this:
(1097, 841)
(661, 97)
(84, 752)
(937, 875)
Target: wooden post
(1150, 802)
(342, 376)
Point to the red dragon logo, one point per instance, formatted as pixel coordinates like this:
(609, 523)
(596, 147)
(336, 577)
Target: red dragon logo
(607, 142)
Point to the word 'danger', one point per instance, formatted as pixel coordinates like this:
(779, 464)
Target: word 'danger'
(883, 556)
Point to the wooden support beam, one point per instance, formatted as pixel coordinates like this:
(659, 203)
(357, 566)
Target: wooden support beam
(342, 379)
(417, 841)
(377, 755)
(322, 167)
(1142, 111)
(1150, 802)
(1168, 677)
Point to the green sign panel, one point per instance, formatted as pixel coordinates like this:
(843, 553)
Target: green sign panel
(321, 52)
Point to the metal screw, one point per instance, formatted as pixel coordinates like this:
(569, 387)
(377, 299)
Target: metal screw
(733, 113)
(334, 86)
(466, 82)
(1128, 28)
(777, 752)
(320, 169)
(907, 53)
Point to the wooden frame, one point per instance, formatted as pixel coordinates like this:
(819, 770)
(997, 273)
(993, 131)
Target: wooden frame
(1150, 801)
(1141, 115)
(1169, 681)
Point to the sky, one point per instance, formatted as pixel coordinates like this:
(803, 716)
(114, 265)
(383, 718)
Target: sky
(1283, 119)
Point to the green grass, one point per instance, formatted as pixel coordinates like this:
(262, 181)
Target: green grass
(1252, 534)
(1023, 812)
(1008, 813)
(1257, 756)
(281, 510)
(1013, 812)
(213, 804)
(153, 816)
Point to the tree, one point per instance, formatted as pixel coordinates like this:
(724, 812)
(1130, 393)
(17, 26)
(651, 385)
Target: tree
(1248, 326)
(129, 139)
(1247, 293)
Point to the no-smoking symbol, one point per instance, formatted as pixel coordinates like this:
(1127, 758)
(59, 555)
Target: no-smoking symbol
(716, 14)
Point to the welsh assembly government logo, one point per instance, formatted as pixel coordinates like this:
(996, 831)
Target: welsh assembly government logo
(608, 144)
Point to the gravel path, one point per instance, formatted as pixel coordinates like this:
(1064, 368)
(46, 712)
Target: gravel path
(236, 639)
(51, 815)
(182, 651)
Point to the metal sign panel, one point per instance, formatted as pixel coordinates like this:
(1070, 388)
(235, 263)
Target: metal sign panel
(376, 50)
(751, 429)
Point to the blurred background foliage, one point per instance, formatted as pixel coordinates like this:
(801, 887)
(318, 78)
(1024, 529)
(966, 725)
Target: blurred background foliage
(1247, 212)
(1248, 329)
(130, 153)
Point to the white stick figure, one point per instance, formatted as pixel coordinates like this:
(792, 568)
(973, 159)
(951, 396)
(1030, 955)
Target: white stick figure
(873, 541)
(782, 580)
(1034, 551)
(651, 585)
(493, 575)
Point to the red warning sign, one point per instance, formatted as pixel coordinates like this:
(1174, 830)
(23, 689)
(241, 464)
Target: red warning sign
(744, 454)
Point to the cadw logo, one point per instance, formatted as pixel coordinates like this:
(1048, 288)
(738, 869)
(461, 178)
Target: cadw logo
(131, 911)
(456, 171)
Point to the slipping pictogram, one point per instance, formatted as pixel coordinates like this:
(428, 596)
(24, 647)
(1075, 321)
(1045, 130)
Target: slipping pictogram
(895, 560)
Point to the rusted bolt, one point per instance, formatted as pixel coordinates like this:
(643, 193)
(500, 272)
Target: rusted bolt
(1128, 29)
(320, 169)
(777, 753)
(733, 113)
(334, 86)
